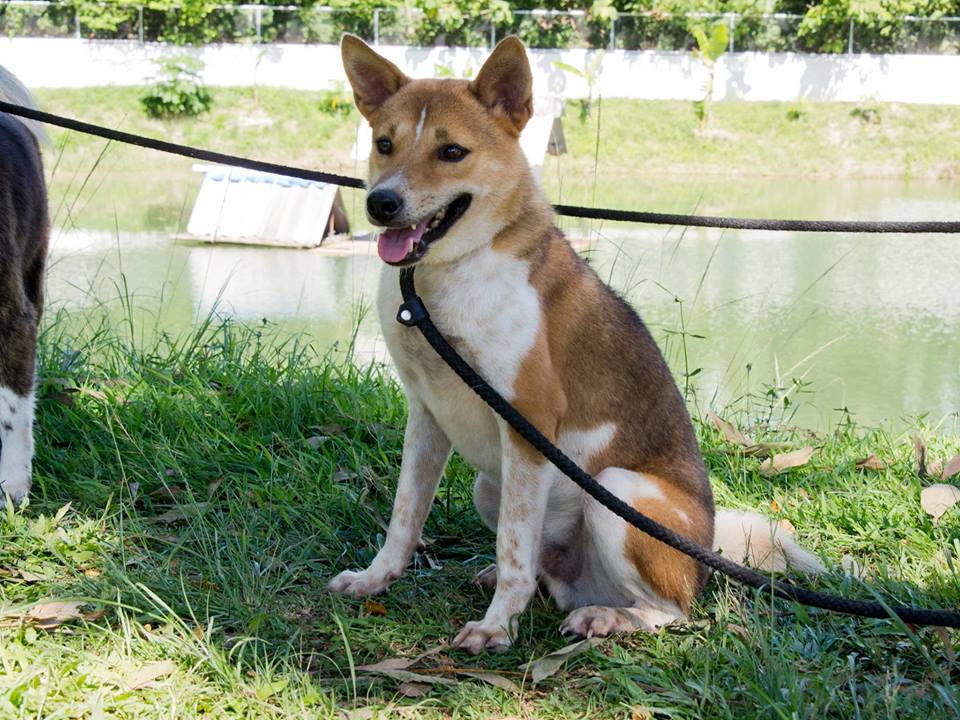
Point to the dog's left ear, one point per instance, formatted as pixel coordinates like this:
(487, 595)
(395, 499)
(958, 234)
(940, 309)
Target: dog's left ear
(505, 84)
(373, 78)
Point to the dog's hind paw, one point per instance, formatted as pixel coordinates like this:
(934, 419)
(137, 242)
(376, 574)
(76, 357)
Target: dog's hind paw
(360, 583)
(600, 621)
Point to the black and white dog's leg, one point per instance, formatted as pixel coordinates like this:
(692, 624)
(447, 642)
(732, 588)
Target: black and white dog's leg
(18, 347)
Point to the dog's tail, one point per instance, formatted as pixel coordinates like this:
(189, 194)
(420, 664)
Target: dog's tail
(757, 541)
(14, 92)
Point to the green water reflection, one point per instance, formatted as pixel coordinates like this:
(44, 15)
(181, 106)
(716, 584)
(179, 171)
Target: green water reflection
(868, 322)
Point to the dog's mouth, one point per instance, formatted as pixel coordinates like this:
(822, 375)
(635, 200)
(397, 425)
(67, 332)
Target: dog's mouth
(407, 245)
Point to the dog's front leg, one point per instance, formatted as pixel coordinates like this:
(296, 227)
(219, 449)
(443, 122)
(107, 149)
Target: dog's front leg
(525, 486)
(425, 452)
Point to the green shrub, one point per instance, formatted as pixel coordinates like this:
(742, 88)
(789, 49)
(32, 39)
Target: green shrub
(867, 114)
(177, 91)
(335, 102)
(796, 112)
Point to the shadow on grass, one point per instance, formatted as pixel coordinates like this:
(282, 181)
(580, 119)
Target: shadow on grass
(219, 479)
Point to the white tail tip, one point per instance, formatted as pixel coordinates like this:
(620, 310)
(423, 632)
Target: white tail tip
(754, 540)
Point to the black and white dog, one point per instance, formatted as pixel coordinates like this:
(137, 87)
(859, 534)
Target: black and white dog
(24, 235)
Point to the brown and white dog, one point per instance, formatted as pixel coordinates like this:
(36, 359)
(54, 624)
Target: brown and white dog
(24, 234)
(450, 185)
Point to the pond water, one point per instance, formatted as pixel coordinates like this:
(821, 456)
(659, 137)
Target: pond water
(863, 322)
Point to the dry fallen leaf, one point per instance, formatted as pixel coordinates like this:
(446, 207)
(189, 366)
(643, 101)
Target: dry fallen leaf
(408, 676)
(944, 636)
(53, 614)
(871, 462)
(919, 456)
(315, 441)
(413, 689)
(544, 667)
(212, 487)
(491, 678)
(150, 673)
(388, 664)
(343, 475)
(399, 663)
(775, 506)
(765, 449)
(937, 499)
(729, 432)
(372, 607)
(951, 468)
(787, 525)
(181, 512)
(786, 461)
(935, 468)
(740, 631)
(168, 491)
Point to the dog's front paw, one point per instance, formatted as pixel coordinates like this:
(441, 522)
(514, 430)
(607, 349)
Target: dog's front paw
(358, 583)
(479, 636)
(15, 484)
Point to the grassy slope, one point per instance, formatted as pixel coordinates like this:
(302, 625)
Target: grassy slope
(637, 137)
(221, 422)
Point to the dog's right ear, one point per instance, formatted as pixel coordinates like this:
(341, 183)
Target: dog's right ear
(373, 78)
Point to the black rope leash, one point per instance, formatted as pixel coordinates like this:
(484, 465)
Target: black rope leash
(413, 313)
(177, 149)
(713, 221)
(847, 226)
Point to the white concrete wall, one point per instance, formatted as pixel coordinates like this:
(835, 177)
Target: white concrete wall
(42, 62)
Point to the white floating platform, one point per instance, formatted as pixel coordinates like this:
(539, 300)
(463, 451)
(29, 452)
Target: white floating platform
(246, 207)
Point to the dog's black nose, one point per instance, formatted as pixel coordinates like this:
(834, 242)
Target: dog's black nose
(384, 205)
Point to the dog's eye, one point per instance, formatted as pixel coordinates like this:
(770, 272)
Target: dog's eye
(384, 146)
(453, 153)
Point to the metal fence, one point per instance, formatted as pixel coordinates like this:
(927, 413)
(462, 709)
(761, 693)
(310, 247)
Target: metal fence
(776, 32)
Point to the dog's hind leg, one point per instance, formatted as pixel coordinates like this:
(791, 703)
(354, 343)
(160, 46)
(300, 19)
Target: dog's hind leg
(18, 346)
(486, 498)
(24, 235)
(629, 581)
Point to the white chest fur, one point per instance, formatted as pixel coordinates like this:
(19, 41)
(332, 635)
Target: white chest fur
(485, 305)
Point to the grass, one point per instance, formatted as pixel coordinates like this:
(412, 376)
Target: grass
(196, 492)
(638, 138)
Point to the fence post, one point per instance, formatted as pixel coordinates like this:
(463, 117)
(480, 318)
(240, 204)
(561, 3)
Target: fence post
(140, 23)
(76, 21)
(493, 34)
(613, 33)
(850, 39)
(376, 26)
(731, 24)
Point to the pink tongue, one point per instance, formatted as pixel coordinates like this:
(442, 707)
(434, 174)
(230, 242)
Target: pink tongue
(395, 244)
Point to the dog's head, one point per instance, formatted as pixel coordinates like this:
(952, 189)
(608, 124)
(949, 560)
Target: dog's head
(446, 156)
